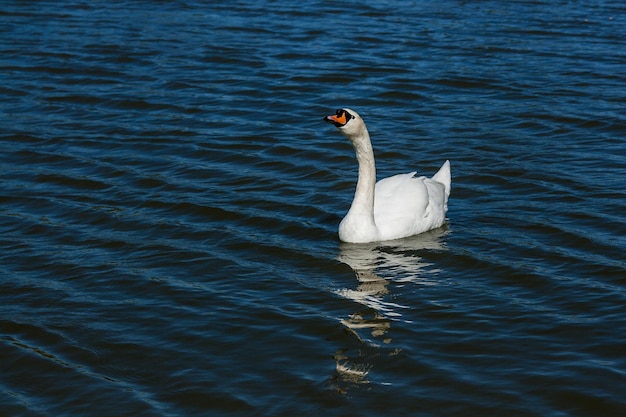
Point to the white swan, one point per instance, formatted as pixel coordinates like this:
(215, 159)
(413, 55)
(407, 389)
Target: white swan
(394, 207)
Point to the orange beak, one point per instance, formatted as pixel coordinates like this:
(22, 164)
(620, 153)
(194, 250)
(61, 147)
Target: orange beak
(336, 120)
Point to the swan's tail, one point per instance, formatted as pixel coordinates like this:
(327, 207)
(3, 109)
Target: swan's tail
(443, 176)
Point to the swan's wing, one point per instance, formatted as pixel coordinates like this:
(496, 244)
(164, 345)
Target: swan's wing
(399, 193)
(398, 202)
(405, 205)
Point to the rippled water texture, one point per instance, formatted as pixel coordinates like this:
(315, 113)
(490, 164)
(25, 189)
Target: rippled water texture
(170, 201)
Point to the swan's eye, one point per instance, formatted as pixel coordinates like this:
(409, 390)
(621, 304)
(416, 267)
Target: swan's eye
(343, 113)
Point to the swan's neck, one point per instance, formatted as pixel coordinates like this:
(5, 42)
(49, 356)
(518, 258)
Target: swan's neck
(362, 209)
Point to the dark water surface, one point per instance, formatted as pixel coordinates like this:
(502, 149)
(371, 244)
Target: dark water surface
(170, 198)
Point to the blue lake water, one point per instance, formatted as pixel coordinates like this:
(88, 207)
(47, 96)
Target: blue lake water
(170, 199)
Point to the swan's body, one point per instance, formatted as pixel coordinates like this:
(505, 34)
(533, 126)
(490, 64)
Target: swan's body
(394, 207)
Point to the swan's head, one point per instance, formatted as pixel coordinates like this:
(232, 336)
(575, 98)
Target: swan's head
(347, 121)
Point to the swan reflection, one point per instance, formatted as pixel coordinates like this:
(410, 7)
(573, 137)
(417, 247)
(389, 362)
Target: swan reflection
(375, 266)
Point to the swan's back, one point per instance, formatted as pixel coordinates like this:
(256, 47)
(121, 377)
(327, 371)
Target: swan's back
(405, 205)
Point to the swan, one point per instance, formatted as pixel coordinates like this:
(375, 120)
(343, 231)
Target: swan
(395, 207)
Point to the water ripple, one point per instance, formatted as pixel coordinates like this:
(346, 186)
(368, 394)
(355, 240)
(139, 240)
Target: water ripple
(171, 196)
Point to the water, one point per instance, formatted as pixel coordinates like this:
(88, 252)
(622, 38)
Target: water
(170, 198)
